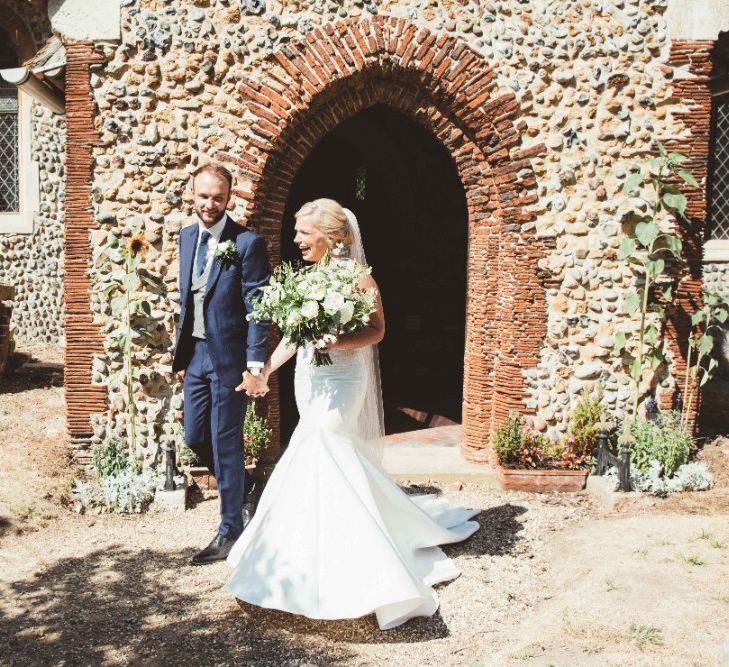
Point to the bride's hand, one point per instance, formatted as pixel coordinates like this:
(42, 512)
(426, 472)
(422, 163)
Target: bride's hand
(254, 385)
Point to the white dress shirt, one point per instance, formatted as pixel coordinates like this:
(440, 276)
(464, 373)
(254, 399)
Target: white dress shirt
(216, 231)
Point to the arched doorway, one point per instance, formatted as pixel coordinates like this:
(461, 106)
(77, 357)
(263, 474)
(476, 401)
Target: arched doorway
(405, 190)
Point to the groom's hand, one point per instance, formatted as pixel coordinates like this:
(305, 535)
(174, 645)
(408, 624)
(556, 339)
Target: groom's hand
(253, 385)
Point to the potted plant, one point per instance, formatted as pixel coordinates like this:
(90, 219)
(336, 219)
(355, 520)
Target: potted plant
(529, 461)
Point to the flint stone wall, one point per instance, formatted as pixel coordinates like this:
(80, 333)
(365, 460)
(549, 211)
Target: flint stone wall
(592, 81)
(33, 263)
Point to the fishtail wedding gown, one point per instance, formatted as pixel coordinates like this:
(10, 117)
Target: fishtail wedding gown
(333, 536)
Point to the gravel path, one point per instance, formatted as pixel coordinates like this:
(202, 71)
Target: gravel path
(547, 580)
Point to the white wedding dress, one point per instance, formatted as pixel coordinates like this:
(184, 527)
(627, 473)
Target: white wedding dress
(333, 537)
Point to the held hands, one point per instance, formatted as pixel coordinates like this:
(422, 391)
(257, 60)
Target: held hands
(254, 385)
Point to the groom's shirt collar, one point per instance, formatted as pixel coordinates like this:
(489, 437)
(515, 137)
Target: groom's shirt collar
(216, 231)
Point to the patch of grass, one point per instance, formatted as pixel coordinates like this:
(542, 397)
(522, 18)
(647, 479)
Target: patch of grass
(610, 586)
(723, 598)
(693, 560)
(716, 544)
(703, 535)
(664, 543)
(644, 636)
(640, 552)
(25, 512)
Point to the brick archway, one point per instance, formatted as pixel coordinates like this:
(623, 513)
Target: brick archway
(340, 69)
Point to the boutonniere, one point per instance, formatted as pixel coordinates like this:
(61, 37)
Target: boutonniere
(226, 252)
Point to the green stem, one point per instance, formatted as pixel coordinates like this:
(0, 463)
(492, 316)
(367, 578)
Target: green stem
(130, 374)
(684, 409)
(643, 310)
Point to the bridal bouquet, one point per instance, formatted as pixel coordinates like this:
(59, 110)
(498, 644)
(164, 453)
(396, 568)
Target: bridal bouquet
(315, 304)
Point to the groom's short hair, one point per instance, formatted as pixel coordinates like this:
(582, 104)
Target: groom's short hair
(217, 169)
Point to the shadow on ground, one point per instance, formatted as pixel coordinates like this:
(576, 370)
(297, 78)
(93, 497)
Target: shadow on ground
(25, 373)
(112, 607)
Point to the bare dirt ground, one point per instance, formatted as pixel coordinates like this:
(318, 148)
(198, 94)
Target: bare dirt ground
(548, 580)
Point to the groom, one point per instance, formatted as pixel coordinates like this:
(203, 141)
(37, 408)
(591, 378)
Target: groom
(223, 265)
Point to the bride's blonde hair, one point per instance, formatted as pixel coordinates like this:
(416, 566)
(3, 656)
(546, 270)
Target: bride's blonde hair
(329, 216)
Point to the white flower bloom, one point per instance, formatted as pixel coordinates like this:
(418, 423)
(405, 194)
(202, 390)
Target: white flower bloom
(294, 318)
(310, 309)
(317, 292)
(329, 339)
(346, 312)
(333, 302)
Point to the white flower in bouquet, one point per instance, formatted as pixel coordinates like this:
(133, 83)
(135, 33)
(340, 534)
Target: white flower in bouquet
(346, 312)
(317, 292)
(333, 302)
(310, 309)
(314, 305)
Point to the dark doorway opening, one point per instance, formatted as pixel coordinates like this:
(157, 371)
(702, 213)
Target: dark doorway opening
(404, 188)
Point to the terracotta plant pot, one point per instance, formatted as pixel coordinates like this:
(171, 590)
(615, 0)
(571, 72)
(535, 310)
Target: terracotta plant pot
(202, 477)
(542, 481)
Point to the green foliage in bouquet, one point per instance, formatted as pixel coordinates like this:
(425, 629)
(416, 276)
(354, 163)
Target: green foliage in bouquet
(256, 433)
(315, 304)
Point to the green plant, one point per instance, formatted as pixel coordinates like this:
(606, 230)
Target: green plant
(655, 255)
(111, 459)
(583, 426)
(129, 491)
(257, 433)
(133, 312)
(644, 635)
(693, 560)
(534, 451)
(710, 319)
(508, 439)
(663, 441)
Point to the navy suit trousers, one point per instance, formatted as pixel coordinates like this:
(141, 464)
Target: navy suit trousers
(214, 415)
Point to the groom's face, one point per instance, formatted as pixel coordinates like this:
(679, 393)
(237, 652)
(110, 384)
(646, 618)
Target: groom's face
(211, 196)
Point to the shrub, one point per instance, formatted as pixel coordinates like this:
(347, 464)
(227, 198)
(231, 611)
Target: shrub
(583, 424)
(257, 433)
(689, 477)
(129, 491)
(663, 441)
(111, 459)
(508, 439)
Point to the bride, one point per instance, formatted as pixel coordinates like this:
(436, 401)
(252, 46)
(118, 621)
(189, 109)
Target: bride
(333, 537)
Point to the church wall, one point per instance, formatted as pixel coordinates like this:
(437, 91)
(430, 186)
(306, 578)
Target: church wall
(594, 83)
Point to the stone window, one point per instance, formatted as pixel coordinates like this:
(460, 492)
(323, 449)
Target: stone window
(18, 173)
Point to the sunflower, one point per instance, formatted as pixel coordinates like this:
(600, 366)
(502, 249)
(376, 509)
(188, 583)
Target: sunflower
(137, 245)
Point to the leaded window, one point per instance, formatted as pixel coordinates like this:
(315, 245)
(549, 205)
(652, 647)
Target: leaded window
(9, 181)
(9, 135)
(719, 200)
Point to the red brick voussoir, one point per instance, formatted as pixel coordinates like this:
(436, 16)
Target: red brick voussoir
(310, 86)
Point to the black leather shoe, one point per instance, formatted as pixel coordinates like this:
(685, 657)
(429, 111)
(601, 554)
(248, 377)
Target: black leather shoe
(217, 550)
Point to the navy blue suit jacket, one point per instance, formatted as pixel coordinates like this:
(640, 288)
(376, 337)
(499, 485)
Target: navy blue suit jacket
(232, 340)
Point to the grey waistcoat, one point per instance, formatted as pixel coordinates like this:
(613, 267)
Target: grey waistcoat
(199, 287)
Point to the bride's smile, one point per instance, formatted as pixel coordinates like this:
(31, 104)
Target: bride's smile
(311, 241)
